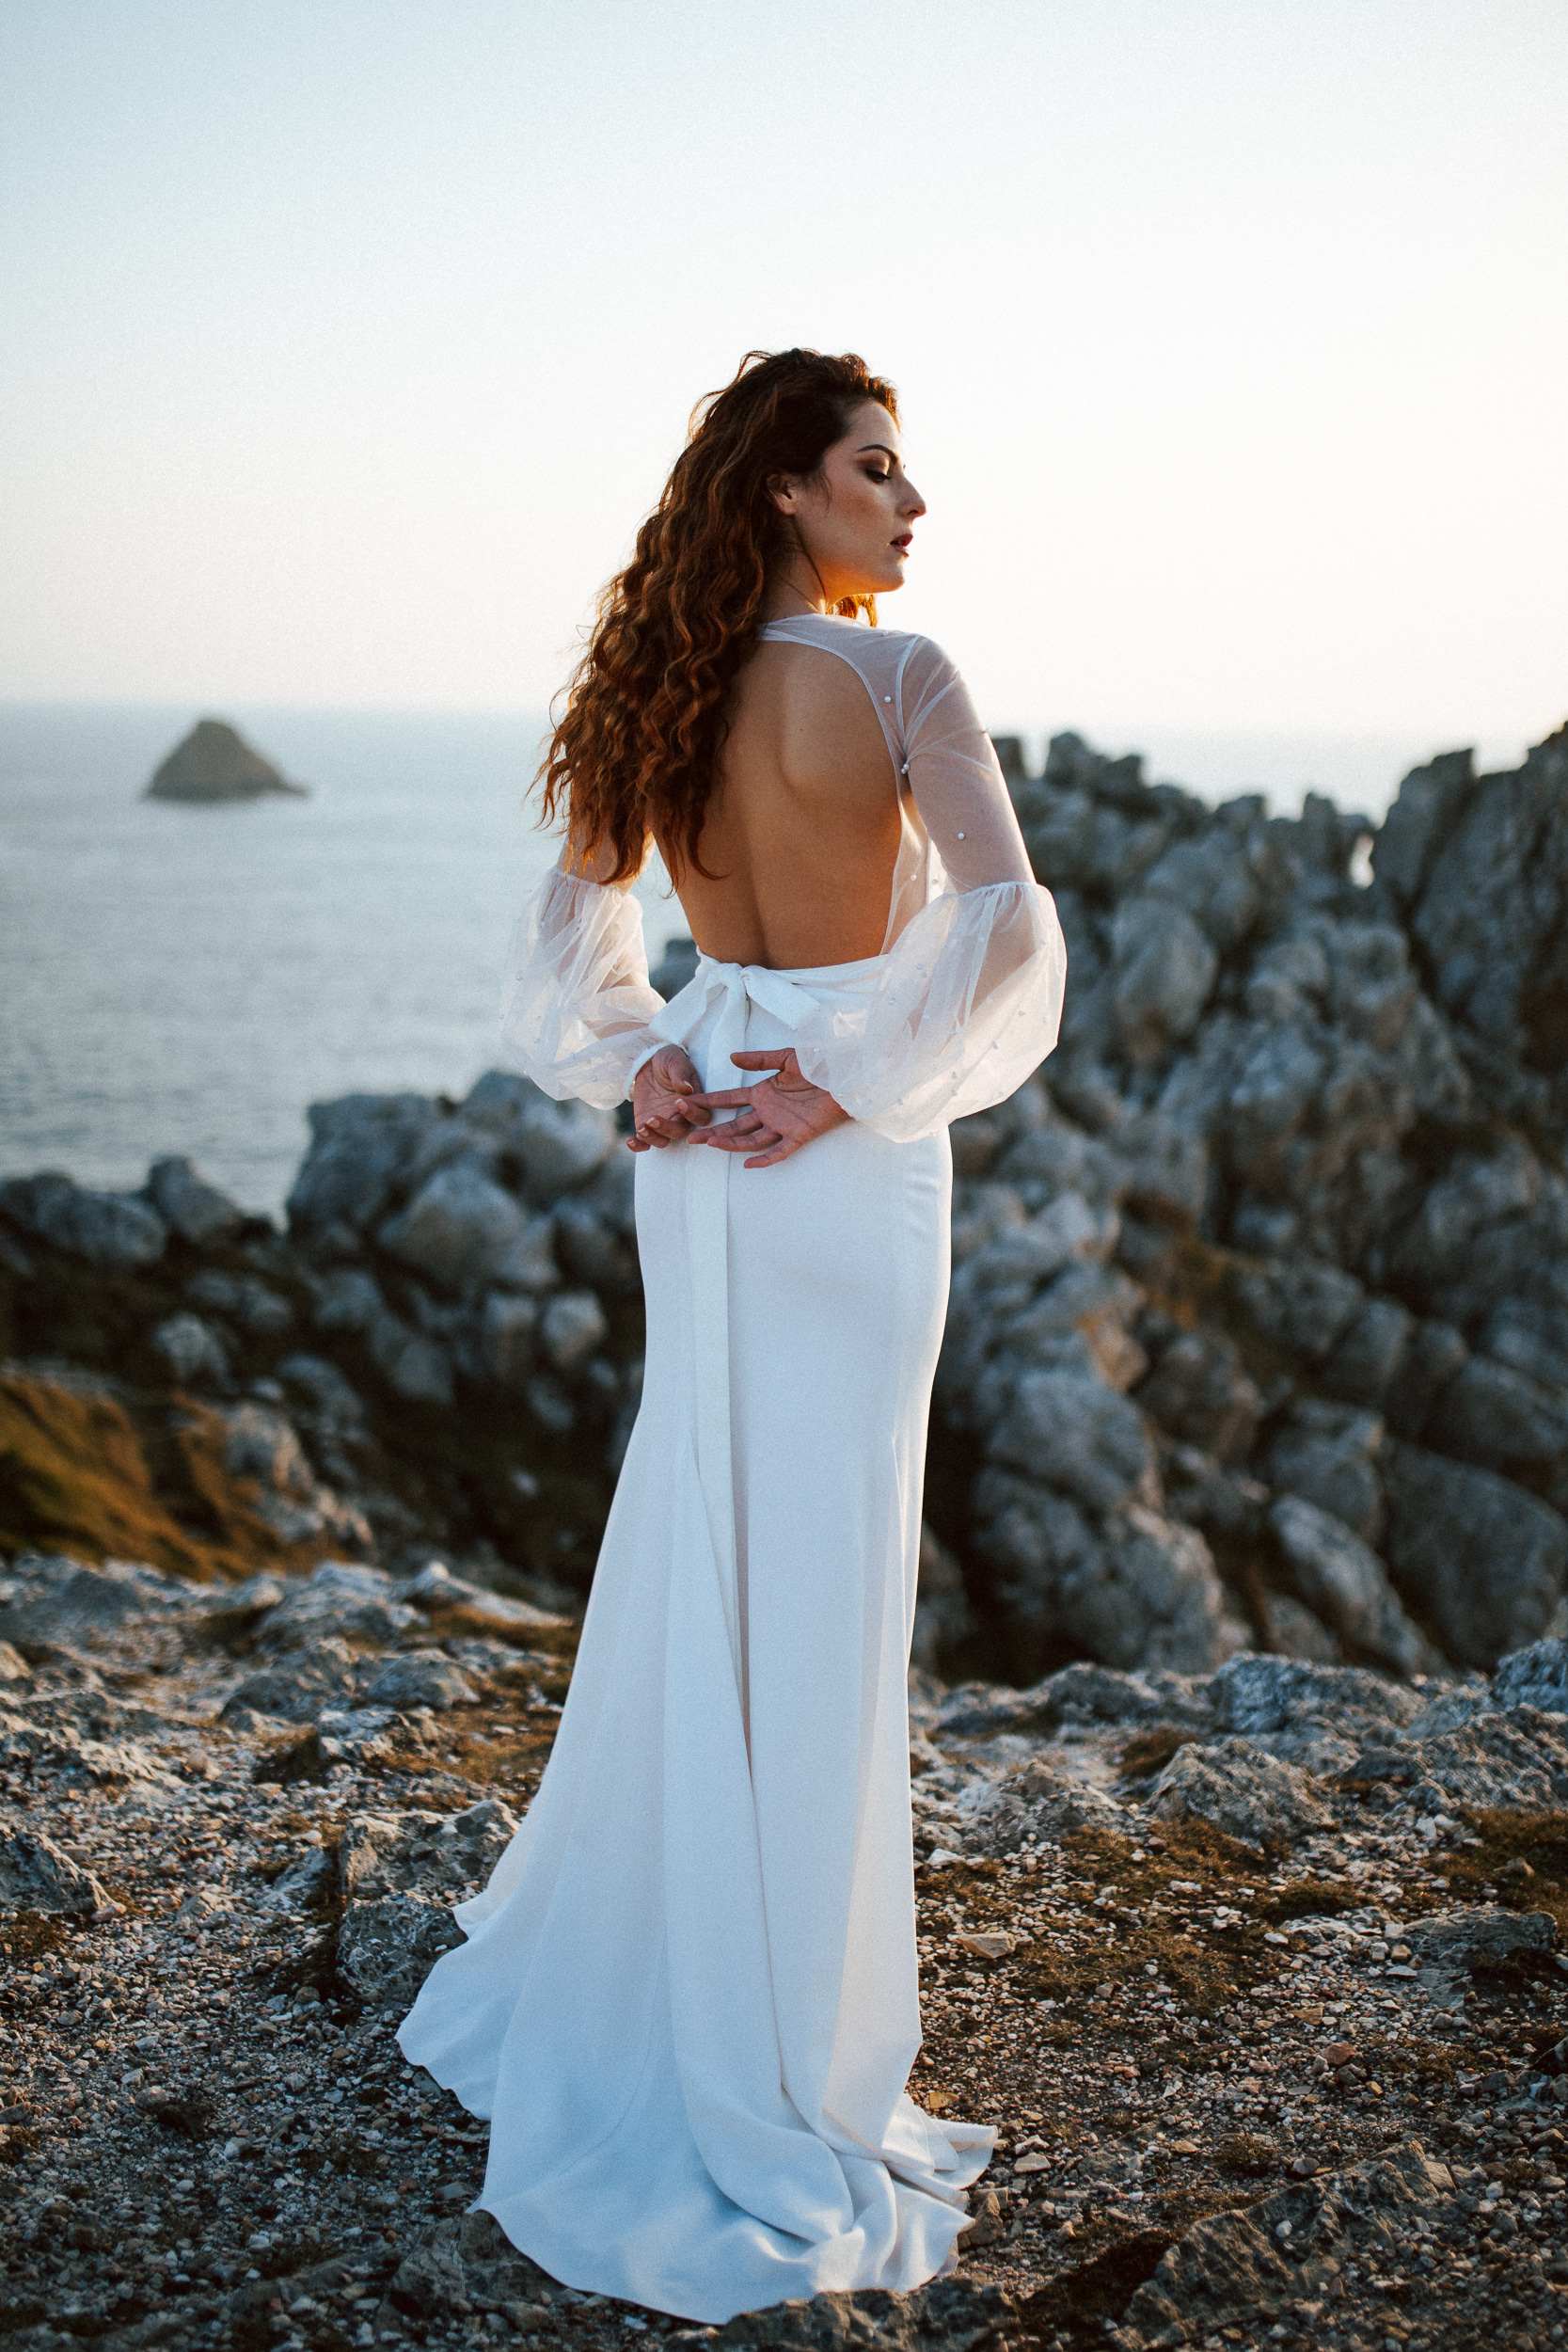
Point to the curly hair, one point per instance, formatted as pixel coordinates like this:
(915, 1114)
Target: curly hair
(633, 752)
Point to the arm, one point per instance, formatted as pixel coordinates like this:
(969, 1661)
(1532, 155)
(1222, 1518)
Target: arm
(576, 1004)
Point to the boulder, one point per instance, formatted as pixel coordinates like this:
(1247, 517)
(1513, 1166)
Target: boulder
(420, 1677)
(1345, 1585)
(1251, 1796)
(319, 1674)
(1165, 969)
(571, 1327)
(1069, 1429)
(1201, 1393)
(343, 1601)
(195, 1210)
(1501, 1417)
(1516, 1762)
(557, 1146)
(108, 1229)
(456, 1229)
(1262, 1697)
(1481, 1561)
(1327, 1454)
(1537, 1676)
(1230, 2272)
(387, 1947)
(192, 1352)
(214, 763)
(35, 1876)
(1454, 1943)
(1303, 1305)
(358, 1144)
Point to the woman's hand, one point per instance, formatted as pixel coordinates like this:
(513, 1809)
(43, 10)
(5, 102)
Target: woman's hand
(777, 1117)
(665, 1103)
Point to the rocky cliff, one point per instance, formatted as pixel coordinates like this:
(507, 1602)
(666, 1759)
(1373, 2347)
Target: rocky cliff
(1260, 1322)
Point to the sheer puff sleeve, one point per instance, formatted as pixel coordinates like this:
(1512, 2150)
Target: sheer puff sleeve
(576, 1003)
(969, 1000)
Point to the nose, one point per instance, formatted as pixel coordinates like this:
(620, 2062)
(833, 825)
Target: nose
(912, 504)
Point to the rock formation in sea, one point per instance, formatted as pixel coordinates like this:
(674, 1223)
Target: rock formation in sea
(216, 763)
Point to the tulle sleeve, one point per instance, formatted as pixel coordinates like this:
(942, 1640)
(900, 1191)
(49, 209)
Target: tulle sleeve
(971, 1000)
(576, 1003)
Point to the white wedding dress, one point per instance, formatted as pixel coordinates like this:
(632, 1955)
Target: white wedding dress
(688, 1999)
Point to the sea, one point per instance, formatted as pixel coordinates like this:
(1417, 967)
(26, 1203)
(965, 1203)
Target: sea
(188, 980)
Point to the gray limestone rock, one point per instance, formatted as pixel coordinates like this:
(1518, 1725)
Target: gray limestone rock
(558, 1145)
(1295, 1632)
(108, 1229)
(263, 1446)
(1262, 1697)
(35, 1876)
(358, 1144)
(1491, 909)
(1455, 1944)
(1363, 1367)
(192, 1351)
(1516, 1760)
(1537, 1676)
(1250, 1795)
(1328, 1454)
(1344, 1583)
(343, 1600)
(1038, 1804)
(571, 1328)
(1481, 1560)
(1200, 1391)
(948, 2315)
(420, 1677)
(1501, 1417)
(1283, 2252)
(49, 1603)
(387, 1946)
(457, 1229)
(1165, 969)
(1071, 1430)
(319, 1674)
(195, 1210)
(468, 2263)
(1303, 1305)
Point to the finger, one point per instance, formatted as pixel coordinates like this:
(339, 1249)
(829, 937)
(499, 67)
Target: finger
(781, 1150)
(725, 1139)
(774, 1060)
(731, 1098)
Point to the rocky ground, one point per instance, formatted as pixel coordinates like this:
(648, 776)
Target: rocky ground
(1259, 1973)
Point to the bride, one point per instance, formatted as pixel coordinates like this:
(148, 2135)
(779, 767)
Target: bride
(688, 1998)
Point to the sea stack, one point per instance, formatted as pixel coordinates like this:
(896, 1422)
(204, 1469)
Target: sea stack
(216, 763)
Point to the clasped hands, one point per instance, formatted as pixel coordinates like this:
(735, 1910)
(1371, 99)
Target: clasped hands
(774, 1118)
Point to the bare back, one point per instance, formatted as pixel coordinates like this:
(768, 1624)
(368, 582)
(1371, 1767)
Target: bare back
(803, 827)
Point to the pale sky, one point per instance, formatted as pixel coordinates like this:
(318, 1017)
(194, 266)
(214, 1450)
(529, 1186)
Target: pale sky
(346, 342)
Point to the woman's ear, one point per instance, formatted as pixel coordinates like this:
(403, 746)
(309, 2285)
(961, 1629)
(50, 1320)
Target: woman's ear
(784, 489)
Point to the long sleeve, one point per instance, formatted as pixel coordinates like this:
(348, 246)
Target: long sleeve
(971, 1000)
(576, 1003)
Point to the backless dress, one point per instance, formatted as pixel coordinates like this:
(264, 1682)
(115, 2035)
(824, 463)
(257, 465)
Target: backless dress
(688, 1998)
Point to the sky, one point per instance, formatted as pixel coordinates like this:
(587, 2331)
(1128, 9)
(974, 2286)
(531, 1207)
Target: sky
(347, 342)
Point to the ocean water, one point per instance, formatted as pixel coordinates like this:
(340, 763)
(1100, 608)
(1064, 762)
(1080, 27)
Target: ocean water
(187, 979)
(177, 978)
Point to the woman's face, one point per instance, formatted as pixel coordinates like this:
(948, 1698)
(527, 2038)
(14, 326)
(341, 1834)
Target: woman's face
(856, 521)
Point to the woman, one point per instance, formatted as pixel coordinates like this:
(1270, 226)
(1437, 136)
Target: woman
(688, 1999)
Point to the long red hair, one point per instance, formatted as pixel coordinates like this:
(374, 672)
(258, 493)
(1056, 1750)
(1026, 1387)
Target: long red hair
(633, 752)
